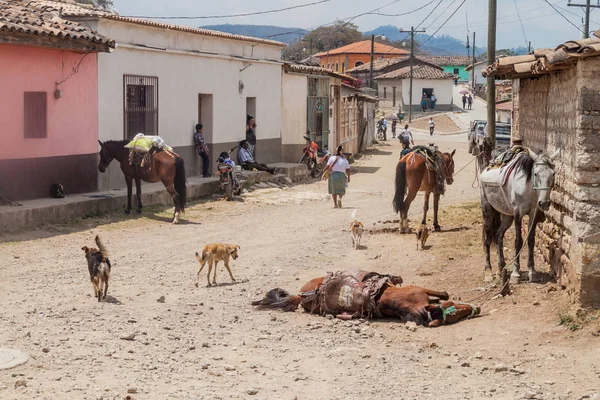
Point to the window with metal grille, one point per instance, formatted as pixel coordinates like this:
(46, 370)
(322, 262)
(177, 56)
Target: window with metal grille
(456, 71)
(36, 114)
(384, 92)
(140, 105)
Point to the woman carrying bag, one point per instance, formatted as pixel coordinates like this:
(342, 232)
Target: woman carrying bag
(337, 172)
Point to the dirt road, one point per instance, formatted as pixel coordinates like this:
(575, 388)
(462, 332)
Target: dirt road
(208, 343)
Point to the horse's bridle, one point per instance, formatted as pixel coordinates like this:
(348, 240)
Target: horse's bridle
(541, 161)
(447, 167)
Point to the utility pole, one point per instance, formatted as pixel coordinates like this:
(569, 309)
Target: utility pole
(588, 9)
(529, 48)
(412, 56)
(371, 65)
(491, 82)
(473, 69)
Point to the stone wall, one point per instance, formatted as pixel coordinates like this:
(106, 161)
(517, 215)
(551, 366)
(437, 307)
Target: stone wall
(562, 110)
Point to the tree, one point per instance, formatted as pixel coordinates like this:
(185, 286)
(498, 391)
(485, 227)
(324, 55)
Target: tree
(499, 53)
(324, 38)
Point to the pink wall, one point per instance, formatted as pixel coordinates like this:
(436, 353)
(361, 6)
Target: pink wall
(72, 120)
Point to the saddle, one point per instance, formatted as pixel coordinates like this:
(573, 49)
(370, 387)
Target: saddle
(342, 292)
(142, 159)
(507, 156)
(434, 163)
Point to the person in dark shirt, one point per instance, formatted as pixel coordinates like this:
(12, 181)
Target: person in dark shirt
(202, 149)
(250, 133)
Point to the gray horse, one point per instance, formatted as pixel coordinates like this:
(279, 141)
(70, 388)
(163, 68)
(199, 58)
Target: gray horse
(522, 187)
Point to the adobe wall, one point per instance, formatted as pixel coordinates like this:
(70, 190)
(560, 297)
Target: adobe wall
(562, 110)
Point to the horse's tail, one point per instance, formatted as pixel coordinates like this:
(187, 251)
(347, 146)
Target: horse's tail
(278, 299)
(398, 201)
(180, 182)
(492, 227)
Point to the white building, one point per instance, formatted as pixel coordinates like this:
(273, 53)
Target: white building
(394, 88)
(164, 79)
(479, 67)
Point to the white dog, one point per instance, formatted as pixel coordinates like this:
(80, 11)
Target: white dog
(356, 230)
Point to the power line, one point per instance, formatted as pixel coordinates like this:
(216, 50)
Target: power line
(428, 15)
(404, 13)
(447, 19)
(233, 15)
(521, 22)
(442, 13)
(567, 19)
(485, 22)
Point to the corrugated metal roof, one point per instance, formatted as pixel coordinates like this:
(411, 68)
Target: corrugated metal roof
(34, 18)
(71, 9)
(363, 47)
(544, 61)
(419, 72)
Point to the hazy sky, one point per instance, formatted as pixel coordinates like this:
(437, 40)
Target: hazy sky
(543, 26)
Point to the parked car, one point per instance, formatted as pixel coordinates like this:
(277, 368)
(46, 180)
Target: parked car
(479, 131)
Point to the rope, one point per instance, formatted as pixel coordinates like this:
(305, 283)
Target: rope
(486, 289)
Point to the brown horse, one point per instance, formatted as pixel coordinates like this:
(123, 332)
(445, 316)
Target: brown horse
(167, 168)
(412, 174)
(409, 303)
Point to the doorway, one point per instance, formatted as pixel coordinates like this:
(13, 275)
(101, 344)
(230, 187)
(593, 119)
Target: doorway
(205, 115)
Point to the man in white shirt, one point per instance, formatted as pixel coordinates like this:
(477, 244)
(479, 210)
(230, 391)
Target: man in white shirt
(247, 161)
(431, 126)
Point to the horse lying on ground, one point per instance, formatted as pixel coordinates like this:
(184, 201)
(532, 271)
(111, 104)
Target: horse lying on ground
(368, 294)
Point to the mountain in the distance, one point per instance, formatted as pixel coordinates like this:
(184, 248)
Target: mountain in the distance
(438, 45)
(278, 33)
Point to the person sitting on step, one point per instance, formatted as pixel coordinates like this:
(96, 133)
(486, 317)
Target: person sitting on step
(247, 161)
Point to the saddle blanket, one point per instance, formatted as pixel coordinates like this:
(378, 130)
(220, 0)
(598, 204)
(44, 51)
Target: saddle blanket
(498, 175)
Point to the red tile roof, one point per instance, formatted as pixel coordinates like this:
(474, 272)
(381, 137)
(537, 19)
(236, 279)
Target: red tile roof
(505, 105)
(419, 72)
(32, 18)
(363, 47)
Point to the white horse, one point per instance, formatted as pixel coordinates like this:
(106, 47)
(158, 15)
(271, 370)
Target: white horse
(507, 194)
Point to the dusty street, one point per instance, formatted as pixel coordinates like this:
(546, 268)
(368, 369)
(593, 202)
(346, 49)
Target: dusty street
(209, 343)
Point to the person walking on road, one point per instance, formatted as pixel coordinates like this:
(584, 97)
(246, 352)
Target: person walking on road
(431, 126)
(470, 101)
(464, 101)
(394, 129)
(337, 172)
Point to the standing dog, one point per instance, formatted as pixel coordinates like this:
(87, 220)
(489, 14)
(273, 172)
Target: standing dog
(356, 230)
(99, 267)
(213, 253)
(422, 234)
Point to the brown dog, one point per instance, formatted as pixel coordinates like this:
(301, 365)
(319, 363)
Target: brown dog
(422, 235)
(213, 253)
(99, 268)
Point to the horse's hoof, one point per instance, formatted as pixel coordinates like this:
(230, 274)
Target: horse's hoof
(196, 284)
(127, 212)
(139, 210)
(532, 277)
(488, 278)
(515, 277)
(437, 228)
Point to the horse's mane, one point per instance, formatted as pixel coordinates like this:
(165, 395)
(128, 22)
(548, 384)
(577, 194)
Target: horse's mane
(123, 142)
(524, 163)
